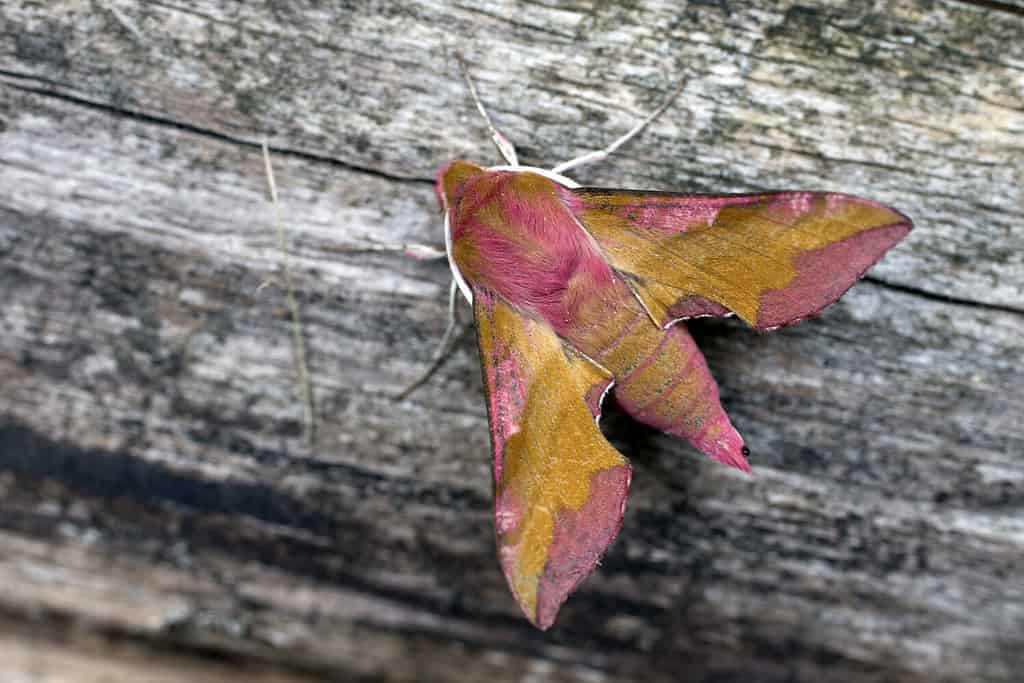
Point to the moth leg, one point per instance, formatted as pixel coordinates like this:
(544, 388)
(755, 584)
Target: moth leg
(441, 350)
(600, 154)
(504, 145)
(420, 252)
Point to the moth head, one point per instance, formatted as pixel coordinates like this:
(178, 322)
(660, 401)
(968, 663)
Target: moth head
(452, 179)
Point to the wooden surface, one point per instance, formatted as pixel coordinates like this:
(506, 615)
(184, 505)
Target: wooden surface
(160, 516)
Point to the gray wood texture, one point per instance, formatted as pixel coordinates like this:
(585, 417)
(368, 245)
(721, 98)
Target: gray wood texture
(161, 517)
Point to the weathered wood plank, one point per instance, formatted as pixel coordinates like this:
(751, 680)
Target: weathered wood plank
(154, 488)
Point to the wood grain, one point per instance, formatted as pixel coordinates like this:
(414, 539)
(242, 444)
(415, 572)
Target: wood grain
(159, 512)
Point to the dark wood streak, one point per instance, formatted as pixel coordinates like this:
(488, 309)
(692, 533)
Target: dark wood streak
(160, 516)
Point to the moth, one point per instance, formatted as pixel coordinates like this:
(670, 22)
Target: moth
(579, 290)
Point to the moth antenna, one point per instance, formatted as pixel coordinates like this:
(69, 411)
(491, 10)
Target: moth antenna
(504, 145)
(601, 154)
(306, 386)
(440, 351)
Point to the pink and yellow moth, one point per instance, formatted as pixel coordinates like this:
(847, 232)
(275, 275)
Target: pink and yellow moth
(577, 290)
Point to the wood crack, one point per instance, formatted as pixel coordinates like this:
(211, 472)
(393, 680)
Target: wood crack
(183, 126)
(994, 5)
(943, 298)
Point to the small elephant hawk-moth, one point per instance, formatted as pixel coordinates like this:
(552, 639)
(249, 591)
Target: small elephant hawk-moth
(576, 290)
